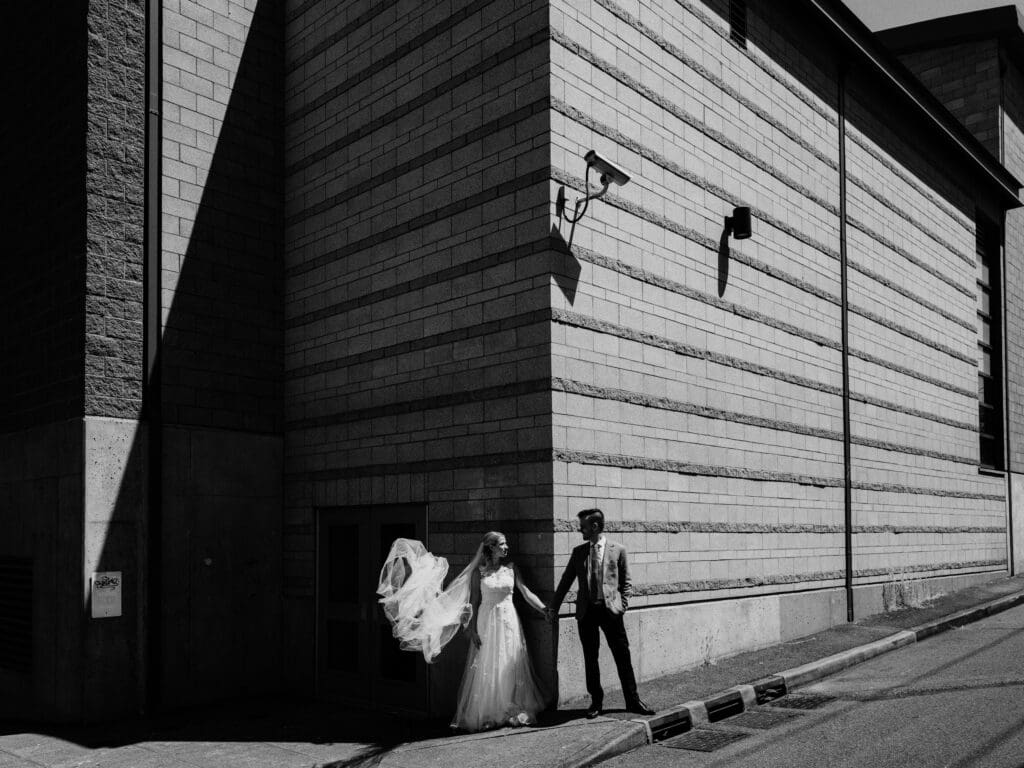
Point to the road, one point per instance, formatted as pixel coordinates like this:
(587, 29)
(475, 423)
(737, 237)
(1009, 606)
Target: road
(954, 700)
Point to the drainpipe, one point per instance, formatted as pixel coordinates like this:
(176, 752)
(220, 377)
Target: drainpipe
(1007, 462)
(151, 346)
(847, 487)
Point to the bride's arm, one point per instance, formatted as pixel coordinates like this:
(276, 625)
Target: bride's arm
(534, 601)
(474, 600)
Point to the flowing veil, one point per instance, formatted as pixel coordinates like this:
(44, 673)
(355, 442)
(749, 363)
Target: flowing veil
(424, 614)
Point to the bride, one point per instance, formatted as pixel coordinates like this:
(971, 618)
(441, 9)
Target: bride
(498, 685)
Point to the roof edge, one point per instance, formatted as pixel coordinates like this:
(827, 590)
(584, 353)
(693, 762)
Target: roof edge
(1002, 22)
(868, 48)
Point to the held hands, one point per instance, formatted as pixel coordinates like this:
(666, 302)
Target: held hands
(550, 614)
(474, 637)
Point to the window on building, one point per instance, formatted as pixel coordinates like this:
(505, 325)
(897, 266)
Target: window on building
(990, 390)
(738, 21)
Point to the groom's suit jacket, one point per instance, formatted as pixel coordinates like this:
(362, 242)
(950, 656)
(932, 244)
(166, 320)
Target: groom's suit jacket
(616, 588)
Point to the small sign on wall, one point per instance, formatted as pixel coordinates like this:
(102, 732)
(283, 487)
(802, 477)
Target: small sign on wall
(106, 594)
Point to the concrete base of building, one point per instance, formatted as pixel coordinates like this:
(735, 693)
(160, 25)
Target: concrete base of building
(673, 638)
(1016, 504)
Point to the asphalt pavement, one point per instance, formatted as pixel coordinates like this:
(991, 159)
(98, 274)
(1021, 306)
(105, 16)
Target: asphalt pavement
(952, 701)
(282, 732)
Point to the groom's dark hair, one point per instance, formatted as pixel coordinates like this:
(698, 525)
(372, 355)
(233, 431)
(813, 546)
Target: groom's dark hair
(592, 516)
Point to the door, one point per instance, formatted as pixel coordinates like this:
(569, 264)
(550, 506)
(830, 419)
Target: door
(358, 660)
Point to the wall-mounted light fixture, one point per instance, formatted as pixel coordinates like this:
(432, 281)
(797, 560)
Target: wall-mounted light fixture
(738, 225)
(610, 174)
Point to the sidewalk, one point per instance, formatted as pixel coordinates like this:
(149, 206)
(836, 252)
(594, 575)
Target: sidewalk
(291, 734)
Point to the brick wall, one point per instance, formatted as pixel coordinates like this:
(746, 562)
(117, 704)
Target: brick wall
(701, 410)
(221, 205)
(965, 78)
(41, 275)
(1013, 159)
(418, 272)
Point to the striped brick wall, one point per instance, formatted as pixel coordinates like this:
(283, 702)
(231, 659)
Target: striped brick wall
(417, 273)
(1013, 158)
(941, 515)
(221, 203)
(697, 395)
(703, 409)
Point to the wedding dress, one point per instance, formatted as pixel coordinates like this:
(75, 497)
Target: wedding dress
(498, 686)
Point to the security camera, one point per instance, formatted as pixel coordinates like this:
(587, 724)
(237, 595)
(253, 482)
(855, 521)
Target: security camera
(607, 170)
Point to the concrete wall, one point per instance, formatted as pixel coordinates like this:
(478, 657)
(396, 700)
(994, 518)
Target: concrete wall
(221, 349)
(417, 279)
(697, 380)
(42, 323)
(72, 487)
(41, 496)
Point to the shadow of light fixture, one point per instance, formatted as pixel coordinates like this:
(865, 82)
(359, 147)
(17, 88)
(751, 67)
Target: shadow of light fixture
(610, 174)
(738, 225)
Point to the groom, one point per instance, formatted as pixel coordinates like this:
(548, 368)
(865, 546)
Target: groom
(602, 577)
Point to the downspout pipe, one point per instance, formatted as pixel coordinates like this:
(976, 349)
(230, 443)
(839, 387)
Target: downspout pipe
(1008, 460)
(151, 408)
(847, 474)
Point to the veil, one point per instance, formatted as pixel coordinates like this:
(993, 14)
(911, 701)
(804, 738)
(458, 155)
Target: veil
(424, 614)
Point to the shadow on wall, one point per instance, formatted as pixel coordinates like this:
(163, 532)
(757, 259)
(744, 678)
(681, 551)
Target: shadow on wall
(42, 317)
(217, 616)
(565, 268)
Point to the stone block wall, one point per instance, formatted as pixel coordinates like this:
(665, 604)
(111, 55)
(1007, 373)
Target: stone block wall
(114, 197)
(1013, 280)
(701, 375)
(417, 278)
(698, 379)
(921, 507)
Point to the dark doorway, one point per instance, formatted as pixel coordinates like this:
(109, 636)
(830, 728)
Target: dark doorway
(358, 660)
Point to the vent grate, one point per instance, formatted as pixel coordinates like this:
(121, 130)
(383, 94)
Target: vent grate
(704, 740)
(764, 719)
(16, 614)
(802, 701)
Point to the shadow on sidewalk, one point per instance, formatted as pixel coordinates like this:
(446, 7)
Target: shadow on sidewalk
(363, 738)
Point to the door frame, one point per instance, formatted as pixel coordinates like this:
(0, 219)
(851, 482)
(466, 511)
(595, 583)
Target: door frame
(369, 518)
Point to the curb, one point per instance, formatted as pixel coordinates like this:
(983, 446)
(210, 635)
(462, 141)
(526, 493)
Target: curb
(740, 698)
(627, 742)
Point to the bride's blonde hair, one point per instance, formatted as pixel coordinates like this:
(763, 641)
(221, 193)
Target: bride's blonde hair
(488, 545)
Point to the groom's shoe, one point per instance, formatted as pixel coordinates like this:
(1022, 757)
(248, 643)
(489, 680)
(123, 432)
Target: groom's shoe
(638, 707)
(593, 710)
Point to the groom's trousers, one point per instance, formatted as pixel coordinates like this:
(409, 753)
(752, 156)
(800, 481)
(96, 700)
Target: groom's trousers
(597, 619)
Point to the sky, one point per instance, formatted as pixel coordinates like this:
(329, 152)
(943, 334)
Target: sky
(881, 14)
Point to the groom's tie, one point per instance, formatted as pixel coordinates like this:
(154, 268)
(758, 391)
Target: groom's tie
(595, 574)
